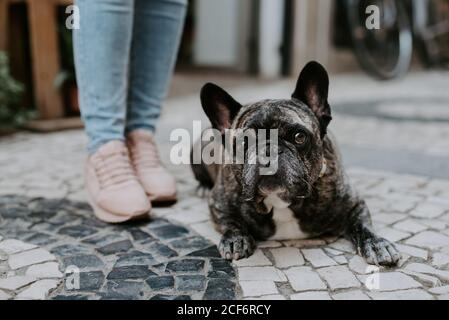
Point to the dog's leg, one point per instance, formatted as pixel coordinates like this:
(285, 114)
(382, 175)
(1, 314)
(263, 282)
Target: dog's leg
(374, 249)
(236, 242)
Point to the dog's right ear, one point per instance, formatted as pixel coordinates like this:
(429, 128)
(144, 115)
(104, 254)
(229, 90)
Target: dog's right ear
(219, 106)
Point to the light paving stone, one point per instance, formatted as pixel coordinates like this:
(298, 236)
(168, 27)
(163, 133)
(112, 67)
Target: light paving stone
(269, 244)
(304, 279)
(267, 297)
(318, 258)
(426, 269)
(402, 182)
(424, 278)
(392, 234)
(444, 297)
(445, 249)
(434, 223)
(437, 185)
(428, 239)
(287, 257)
(258, 288)
(440, 290)
(27, 258)
(3, 256)
(388, 218)
(44, 270)
(440, 259)
(4, 295)
(38, 290)
(16, 282)
(404, 258)
(402, 205)
(11, 246)
(413, 294)
(350, 295)
(445, 217)
(256, 260)
(343, 245)
(333, 252)
(389, 281)
(409, 225)
(257, 273)
(193, 216)
(359, 265)
(306, 243)
(373, 203)
(80, 196)
(207, 230)
(52, 193)
(339, 277)
(429, 210)
(412, 251)
(340, 259)
(443, 201)
(378, 226)
(312, 295)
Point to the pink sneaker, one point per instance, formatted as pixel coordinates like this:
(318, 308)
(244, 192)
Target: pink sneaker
(113, 189)
(158, 183)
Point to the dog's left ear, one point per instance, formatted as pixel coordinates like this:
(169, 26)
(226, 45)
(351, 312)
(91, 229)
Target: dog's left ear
(312, 88)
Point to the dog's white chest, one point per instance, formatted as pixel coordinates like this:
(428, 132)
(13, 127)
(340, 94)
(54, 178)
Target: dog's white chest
(287, 226)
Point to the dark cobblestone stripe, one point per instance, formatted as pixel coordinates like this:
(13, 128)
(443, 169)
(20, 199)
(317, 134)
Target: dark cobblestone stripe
(152, 260)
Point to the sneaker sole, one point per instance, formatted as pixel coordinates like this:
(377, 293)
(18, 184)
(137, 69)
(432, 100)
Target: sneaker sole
(164, 201)
(109, 217)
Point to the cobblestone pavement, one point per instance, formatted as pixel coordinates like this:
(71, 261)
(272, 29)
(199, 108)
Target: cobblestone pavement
(157, 260)
(50, 243)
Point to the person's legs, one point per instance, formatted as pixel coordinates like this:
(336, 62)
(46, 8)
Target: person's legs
(157, 31)
(102, 48)
(102, 51)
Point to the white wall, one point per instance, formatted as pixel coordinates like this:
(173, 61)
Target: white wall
(217, 28)
(312, 32)
(270, 41)
(222, 34)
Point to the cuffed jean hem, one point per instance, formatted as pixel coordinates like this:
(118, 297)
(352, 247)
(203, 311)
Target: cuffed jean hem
(131, 128)
(95, 145)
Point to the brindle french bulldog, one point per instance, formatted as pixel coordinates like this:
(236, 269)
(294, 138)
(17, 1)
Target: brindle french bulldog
(308, 196)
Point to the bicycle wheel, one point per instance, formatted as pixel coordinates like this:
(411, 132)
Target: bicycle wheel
(386, 52)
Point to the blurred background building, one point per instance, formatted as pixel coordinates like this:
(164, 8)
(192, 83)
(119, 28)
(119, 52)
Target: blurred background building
(262, 37)
(237, 39)
(249, 38)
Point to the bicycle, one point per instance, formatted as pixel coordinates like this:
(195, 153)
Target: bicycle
(387, 52)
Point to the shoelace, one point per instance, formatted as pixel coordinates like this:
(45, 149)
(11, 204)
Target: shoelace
(144, 155)
(114, 169)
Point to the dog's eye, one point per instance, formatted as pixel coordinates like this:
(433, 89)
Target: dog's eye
(300, 138)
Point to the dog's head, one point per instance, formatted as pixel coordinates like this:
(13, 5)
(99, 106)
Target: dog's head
(301, 123)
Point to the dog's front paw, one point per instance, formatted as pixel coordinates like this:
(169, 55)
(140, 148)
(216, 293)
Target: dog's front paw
(235, 246)
(380, 252)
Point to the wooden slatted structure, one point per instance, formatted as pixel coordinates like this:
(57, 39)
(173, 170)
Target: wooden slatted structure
(45, 58)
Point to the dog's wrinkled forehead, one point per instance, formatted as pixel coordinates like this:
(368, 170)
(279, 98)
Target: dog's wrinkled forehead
(273, 114)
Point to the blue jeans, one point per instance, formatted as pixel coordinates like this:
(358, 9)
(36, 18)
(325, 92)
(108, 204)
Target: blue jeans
(125, 51)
